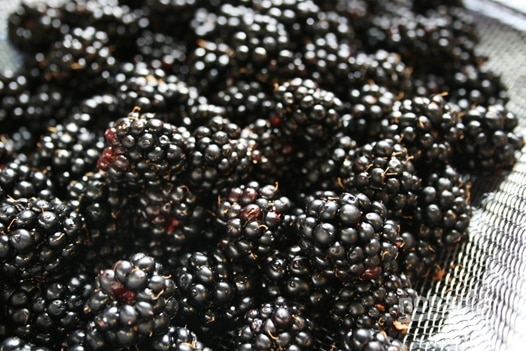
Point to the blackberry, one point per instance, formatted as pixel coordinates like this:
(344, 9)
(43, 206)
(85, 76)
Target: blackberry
(418, 258)
(425, 5)
(67, 152)
(273, 152)
(221, 157)
(175, 18)
(82, 60)
(383, 170)
(134, 302)
(104, 207)
(384, 68)
(15, 92)
(44, 313)
(179, 339)
(364, 339)
(161, 51)
(275, 325)
(33, 27)
(383, 304)
(438, 42)
(38, 238)
(121, 22)
(141, 149)
(444, 209)
(19, 179)
(213, 293)
(323, 55)
(345, 71)
(14, 343)
(345, 236)
(368, 106)
(306, 111)
(170, 213)
(95, 112)
(245, 102)
(35, 108)
(319, 168)
(254, 37)
(427, 127)
(298, 17)
(440, 221)
(208, 66)
(15, 145)
(476, 84)
(253, 220)
(141, 86)
(490, 142)
(99, 203)
(288, 272)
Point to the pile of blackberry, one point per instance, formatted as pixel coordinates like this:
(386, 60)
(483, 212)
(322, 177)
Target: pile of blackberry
(237, 175)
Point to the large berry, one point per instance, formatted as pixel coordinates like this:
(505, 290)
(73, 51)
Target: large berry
(213, 293)
(45, 312)
(253, 220)
(306, 111)
(344, 234)
(384, 171)
(221, 157)
(275, 325)
(134, 302)
(141, 149)
(38, 238)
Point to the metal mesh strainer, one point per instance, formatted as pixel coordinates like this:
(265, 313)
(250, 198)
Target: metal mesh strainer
(480, 303)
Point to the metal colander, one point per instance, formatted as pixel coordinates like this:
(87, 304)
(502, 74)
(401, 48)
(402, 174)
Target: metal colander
(480, 302)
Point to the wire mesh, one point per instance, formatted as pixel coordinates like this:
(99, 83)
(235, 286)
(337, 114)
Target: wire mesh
(480, 302)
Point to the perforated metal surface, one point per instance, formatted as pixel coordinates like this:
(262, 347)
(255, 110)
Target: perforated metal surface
(480, 304)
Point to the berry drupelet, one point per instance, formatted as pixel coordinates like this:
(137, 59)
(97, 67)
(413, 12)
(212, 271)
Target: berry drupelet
(134, 302)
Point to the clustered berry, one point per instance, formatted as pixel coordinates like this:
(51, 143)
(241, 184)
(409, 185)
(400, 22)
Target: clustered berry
(237, 175)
